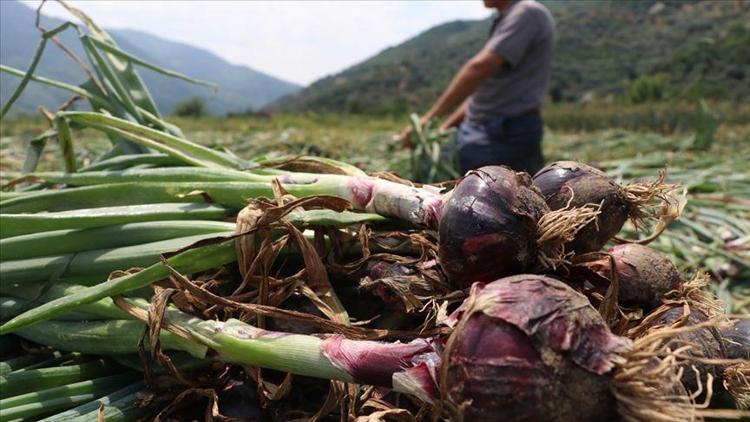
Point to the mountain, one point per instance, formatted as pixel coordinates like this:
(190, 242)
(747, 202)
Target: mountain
(240, 87)
(698, 48)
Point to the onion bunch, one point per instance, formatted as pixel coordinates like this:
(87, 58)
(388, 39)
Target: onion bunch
(495, 223)
(526, 347)
(571, 184)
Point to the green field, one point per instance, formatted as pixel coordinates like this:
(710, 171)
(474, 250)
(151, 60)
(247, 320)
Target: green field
(588, 133)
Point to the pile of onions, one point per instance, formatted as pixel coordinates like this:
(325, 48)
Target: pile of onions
(526, 347)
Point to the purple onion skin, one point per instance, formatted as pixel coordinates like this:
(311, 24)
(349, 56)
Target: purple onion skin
(530, 348)
(737, 339)
(704, 342)
(384, 269)
(589, 185)
(645, 275)
(375, 363)
(488, 227)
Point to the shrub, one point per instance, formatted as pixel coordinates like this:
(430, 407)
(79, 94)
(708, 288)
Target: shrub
(647, 88)
(193, 107)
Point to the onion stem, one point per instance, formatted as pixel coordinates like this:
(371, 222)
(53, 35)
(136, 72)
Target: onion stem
(66, 241)
(22, 223)
(120, 405)
(95, 263)
(193, 260)
(401, 366)
(34, 404)
(22, 382)
(101, 337)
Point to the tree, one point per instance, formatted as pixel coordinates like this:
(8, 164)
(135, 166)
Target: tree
(647, 88)
(193, 107)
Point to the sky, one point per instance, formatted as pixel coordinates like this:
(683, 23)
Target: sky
(298, 41)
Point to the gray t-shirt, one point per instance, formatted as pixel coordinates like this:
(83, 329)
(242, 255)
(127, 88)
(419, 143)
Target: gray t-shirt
(525, 38)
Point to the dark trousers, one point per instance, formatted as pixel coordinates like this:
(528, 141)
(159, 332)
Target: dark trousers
(514, 141)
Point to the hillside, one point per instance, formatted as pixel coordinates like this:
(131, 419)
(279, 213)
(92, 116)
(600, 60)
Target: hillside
(696, 47)
(240, 87)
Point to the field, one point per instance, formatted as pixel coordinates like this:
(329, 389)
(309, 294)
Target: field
(588, 133)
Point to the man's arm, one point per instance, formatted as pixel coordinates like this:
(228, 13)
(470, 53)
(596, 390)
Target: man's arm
(467, 80)
(456, 118)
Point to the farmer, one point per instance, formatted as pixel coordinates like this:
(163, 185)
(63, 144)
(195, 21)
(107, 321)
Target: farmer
(496, 96)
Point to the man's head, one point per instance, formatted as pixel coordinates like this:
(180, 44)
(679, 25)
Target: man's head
(496, 4)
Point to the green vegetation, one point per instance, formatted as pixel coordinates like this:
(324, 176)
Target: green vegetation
(684, 50)
(193, 107)
(713, 66)
(366, 141)
(666, 118)
(621, 50)
(647, 88)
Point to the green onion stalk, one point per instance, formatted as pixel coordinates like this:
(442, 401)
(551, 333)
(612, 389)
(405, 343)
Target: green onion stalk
(23, 361)
(26, 296)
(161, 174)
(406, 367)
(106, 337)
(125, 161)
(415, 205)
(65, 241)
(119, 405)
(16, 383)
(98, 263)
(52, 400)
(49, 359)
(16, 224)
